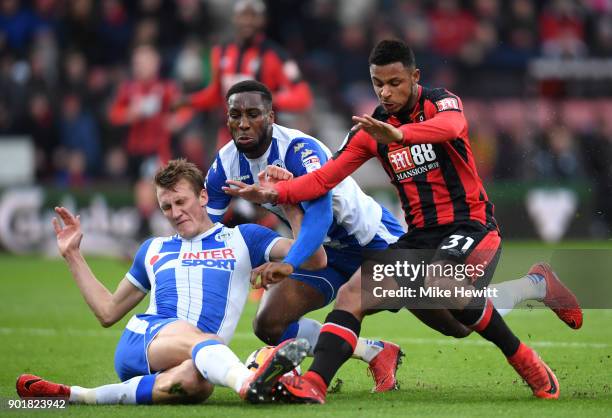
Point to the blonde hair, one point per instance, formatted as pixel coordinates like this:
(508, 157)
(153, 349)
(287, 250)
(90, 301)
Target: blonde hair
(176, 170)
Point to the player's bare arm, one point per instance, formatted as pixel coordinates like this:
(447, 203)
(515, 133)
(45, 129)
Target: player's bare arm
(382, 132)
(108, 307)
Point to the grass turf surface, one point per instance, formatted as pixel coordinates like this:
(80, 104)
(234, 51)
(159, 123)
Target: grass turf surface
(46, 329)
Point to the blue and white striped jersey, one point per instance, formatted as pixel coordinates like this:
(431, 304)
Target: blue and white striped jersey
(204, 280)
(357, 217)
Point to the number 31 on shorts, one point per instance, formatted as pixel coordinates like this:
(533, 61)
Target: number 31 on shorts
(456, 240)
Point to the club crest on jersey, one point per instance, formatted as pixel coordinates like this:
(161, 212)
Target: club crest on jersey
(448, 103)
(223, 236)
(311, 163)
(410, 161)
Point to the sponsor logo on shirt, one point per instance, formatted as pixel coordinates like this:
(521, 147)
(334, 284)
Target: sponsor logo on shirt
(413, 160)
(306, 153)
(241, 178)
(222, 258)
(311, 163)
(298, 146)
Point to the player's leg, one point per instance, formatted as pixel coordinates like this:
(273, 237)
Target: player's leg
(153, 344)
(478, 312)
(282, 306)
(180, 384)
(304, 292)
(337, 342)
(541, 284)
(213, 360)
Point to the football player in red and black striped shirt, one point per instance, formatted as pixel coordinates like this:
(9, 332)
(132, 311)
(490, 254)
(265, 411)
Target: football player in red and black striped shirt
(420, 136)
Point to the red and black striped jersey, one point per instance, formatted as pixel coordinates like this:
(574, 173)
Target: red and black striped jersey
(432, 169)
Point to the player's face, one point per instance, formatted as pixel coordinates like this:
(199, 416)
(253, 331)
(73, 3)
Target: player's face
(250, 123)
(395, 85)
(184, 208)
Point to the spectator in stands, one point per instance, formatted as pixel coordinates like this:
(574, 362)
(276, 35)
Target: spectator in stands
(79, 132)
(562, 30)
(252, 56)
(142, 103)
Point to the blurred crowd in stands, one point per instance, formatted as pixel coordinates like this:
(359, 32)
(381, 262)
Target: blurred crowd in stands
(70, 71)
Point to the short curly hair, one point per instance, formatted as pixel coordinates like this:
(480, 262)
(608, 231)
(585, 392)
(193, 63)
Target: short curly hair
(176, 170)
(389, 51)
(251, 86)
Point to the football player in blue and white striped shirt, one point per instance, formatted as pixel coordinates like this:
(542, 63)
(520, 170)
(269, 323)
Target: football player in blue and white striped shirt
(198, 282)
(346, 220)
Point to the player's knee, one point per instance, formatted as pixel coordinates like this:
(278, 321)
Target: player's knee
(459, 332)
(268, 328)
(349, 299)
(191, 343)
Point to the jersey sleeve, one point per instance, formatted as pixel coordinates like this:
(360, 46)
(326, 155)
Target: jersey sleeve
(259, 241)
(355, 151)
(137, 275)
(304, 156)
(445, 120)
(218, 201)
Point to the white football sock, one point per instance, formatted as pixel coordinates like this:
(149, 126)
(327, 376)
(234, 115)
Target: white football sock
(513, 292)
(366, 350)
(219, 365)
(309, 329)
(117, 393)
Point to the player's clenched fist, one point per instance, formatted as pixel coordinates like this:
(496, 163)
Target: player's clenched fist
(70, 234)
(275, 173)
(270, 273)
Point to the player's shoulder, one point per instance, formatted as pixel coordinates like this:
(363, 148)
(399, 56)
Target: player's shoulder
(225, 156)
(285, 134)
(253, 232)
(159, 244)
(436, 93)
(441, 98)
(227, 150)
(289, 136)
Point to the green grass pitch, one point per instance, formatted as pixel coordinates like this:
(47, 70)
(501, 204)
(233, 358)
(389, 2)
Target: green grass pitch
(46, 329)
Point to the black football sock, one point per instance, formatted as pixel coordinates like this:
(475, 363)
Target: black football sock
(488, 322)
(336, 344)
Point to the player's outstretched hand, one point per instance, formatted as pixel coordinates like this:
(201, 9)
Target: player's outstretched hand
(382, 132)
(69, 235)
(251, 192)
(270, 273)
